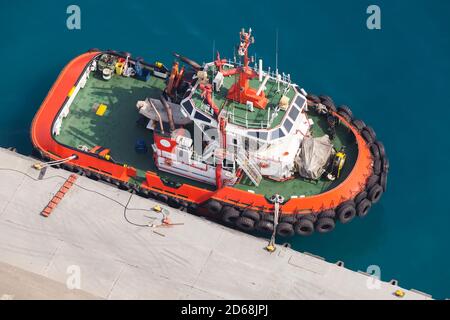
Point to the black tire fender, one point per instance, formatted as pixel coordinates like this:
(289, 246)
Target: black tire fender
(143, 192)
(122, 185)
(214, 207)
(162, 197)
(78, 170)
(192, 208)
(375, 151)
(106, 178)
(229, 215)
(345, 109)
(115, 182)
(381, 148)
(375, 193)
(304, 227)
(346, 113)
(346, 212)
(329, 104)
(377, 166)
(366, 135)
(285, 229)
(326, 98)
(67, 166)
(325, 225)
(345, 116)
(363, 207)
(360, 197)
(184, 204)
(373, 180)
(268, 217)
(383, 181)
(246, 224)
(255, 216)
(288, 218)
(385, 164)
(87, 174)
(264, 226)
(313, 98)
(372, 133)
(173, 203)
(327, 214)
(359, 124)
(310, 216)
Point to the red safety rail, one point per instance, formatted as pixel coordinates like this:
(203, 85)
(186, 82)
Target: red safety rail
(59, 195)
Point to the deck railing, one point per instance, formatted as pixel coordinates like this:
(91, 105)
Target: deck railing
(252, 124)
(283, 78)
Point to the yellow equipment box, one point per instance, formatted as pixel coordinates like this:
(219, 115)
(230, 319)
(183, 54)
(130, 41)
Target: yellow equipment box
(101, 110)
(119, 68)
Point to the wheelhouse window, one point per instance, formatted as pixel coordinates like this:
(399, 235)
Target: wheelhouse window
(201, 117)
(188, 106)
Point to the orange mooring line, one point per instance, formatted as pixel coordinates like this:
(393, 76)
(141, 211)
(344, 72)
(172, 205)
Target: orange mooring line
(59, 195)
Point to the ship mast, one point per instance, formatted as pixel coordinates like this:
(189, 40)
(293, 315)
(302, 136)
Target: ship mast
(241, 91)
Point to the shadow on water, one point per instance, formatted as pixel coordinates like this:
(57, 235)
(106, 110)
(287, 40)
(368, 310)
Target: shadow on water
(357, 238)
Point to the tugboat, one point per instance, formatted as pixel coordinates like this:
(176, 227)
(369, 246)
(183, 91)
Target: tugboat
(226, 139)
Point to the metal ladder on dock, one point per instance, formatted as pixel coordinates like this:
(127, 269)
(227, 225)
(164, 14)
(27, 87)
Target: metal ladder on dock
(249, 166)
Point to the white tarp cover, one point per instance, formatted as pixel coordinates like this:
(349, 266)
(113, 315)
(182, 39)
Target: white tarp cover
(313, 156)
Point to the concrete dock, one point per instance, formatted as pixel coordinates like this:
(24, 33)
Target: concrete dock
(98, 241)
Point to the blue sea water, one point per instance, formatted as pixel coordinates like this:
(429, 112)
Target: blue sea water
(396, 79)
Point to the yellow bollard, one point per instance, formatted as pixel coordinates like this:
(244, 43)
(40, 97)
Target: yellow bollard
(399, 293)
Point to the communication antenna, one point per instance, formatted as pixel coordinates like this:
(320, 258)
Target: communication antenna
(276, 52)
(276, 61)
(213, 58)
(213, 68)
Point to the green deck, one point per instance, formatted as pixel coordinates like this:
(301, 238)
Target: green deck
(118, 130)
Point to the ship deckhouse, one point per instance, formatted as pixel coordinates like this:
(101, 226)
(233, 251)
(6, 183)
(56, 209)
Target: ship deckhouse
(251, 118)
